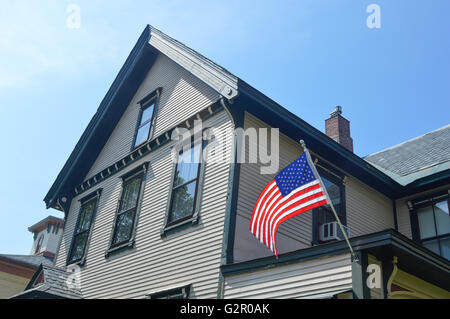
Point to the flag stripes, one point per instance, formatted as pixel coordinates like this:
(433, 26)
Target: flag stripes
(272, 208)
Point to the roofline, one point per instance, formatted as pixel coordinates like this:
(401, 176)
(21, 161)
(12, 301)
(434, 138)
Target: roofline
(45, 221)
(152, 39)
(153, 42)
(218, 78)
(93, 124)
(364, 242)
(387, 185)
(33, 278)
(434, 180)
(15, 261)
(37, 293)
(410, 140)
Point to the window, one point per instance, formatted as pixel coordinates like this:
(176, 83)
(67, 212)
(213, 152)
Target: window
(83, 228)
(324, 214)
(434, 226)
(126, 216)
(144, 125)
(185, 184)
(145, 119)
(177, 293)
(39, 244)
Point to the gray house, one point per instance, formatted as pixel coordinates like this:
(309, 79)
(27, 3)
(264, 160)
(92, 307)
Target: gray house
(141, 221)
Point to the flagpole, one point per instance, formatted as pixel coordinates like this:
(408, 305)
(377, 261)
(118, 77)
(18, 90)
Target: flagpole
(355, 258)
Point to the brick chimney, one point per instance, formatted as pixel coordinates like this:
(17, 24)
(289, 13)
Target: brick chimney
(338, 128)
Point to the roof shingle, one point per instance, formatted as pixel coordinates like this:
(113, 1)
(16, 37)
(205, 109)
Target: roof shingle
(425, 155)
(56, 284)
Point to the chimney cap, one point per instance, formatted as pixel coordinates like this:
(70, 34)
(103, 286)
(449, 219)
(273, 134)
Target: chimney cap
(337, 111)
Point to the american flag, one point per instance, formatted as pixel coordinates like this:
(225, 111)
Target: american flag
(296, 189)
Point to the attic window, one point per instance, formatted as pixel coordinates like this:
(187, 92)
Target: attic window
(146, 119)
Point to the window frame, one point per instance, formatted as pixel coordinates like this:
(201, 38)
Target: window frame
(141, 171)
(183, 291)
(146, 102)
(193, 219)
(37, 250)
(339, 179)
(94, 196)
(56, 229)
(428, 201)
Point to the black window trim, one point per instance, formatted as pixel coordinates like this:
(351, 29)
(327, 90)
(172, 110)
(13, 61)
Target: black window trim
(128, 244)
(183, 291)
(193, 219)
(338, 178)
(147, 101)
(422, 202)
(94, 196)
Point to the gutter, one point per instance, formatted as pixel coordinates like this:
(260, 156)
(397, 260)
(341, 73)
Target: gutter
(386, 184)
(364, 242)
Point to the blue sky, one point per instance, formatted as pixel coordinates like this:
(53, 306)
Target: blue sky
(309, 56)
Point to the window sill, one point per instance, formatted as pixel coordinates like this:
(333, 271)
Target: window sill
(168, 230)
(79, 263)
(120, 248)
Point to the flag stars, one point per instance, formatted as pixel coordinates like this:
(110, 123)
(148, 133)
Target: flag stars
(294, 176)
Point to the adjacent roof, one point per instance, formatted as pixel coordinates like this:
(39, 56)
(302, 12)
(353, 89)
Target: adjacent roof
(414, 159)
(43, 223)
(27, 260)
(55, 285)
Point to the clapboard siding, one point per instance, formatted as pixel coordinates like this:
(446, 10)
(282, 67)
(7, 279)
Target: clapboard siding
(191, 256)
(367, 210)
(403, 218)
(182, 96)
(297, 280)
(295, 233)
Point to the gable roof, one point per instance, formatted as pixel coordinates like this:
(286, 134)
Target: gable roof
(150, 43)
(54, 285)
(153, 42)
(414, 159)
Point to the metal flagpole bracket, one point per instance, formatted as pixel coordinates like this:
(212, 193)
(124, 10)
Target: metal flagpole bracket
(354, 256)
(303, 144)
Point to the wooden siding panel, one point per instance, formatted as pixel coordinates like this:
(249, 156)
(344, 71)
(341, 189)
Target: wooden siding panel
(293, 234)
(367, 210)
(191, 256)
(182, 96)
(403, 218)
(297, 280)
